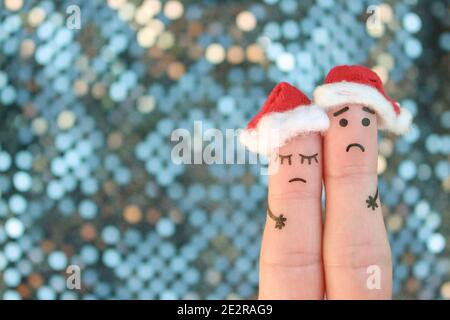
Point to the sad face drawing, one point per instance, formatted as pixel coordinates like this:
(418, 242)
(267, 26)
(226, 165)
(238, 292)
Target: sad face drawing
(288, 130)
(357, 106)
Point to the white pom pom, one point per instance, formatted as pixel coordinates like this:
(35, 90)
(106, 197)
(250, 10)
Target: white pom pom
(403, 121)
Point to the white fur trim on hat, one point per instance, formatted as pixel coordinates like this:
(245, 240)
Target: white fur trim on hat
(275, 129)
(332, 95)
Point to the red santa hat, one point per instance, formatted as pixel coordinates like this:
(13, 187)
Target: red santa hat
(358, 84)
(286, 113)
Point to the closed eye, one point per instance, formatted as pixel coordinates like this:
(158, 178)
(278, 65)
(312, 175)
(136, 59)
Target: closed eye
(283, 157)
(309, 158)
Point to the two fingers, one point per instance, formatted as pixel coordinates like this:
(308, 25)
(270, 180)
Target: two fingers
(347, 256)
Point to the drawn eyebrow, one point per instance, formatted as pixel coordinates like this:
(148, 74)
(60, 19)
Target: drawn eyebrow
(368, 110)
(340, 111)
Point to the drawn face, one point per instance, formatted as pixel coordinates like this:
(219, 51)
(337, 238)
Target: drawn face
(298, 165)
(351, 139)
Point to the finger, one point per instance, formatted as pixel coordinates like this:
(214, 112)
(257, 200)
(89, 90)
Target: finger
(291, 251)
(357, 257)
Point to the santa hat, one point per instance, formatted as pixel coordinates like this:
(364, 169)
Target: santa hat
(286, 113)
(358, 84)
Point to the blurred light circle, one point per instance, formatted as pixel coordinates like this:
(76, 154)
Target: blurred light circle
(272, 30)
(122, 176)
(13, 251)
(167, 250)
(134, 284)
(291, 29)
(68, 296)
(22, 181)
(11, 295)
(89, 186)
(17, 204)
(433, 143)
(411, 195)
(326, 3)
(421, 269)
(407, 169)
(66, 206)
(13, 5)
(57, 260)
(422, 209)
(69, 182)
(55, 190)
(66, 119)
(246, 21)
(89, 254)
(43, 54)
(88, 209)
(320, 36)
(146, 37)
(5, 161)
(146, 104)
(46, 293)
(58, 283)
(111, 258)
(36, 16)
(8, 95)
(191, 276)
(226, 104)
(166, 40)
(123, 270)
(286, 62)
(24, 160)
(144, 272)
(110, 235)
(165, 227)
(14, 228)
(39, 125)
(413, 48)
(412, 22)
(442, 169)
(173, 9)
(169, 295)
(436, 243)
(433, 220)
(118, 92)
(63, 142)
(132, 214)
(11, 277)
(215, 53)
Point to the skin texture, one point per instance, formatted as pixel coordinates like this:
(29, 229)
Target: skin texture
(291, 257)
(354, 235)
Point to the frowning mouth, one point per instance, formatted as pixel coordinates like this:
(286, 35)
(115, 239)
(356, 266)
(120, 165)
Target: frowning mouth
(355, 145)
(297, 180)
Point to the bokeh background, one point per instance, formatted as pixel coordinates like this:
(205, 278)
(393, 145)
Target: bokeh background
(86, 116)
